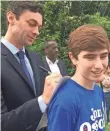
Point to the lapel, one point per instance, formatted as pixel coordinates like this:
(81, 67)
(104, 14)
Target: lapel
(46, 65)
(60, 66)
(14, 63)
(35, 69)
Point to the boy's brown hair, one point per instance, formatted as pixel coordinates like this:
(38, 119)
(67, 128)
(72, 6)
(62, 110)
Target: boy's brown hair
(88, 38)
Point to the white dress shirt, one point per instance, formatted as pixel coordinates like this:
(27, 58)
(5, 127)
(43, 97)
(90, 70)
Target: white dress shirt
(53, 66)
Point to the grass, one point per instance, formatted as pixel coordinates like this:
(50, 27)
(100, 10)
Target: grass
(107, 127)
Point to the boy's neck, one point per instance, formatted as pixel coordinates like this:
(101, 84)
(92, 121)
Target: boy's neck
(83, 82)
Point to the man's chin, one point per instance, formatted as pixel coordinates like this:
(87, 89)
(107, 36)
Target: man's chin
(28, 44)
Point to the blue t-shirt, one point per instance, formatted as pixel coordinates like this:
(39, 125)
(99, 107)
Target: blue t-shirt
(75, 108)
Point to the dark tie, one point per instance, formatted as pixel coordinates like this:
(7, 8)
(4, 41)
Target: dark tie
(24, 67)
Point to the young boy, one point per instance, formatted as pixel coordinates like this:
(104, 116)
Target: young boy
(79, 103)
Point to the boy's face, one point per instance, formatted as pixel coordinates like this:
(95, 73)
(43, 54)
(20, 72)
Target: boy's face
(91, 65)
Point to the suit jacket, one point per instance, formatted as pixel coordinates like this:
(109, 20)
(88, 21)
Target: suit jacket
(61, 65)
(19, 105)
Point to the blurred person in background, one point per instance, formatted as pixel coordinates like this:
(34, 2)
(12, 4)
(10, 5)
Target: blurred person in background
(51, 60)
(106, 89)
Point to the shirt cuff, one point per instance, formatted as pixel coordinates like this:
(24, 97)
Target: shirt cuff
(42, 104)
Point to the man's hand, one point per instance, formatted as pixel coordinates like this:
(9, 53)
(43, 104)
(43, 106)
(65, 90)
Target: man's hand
(51, 82)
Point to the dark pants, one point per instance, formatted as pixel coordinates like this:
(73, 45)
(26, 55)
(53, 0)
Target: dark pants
(107, 99)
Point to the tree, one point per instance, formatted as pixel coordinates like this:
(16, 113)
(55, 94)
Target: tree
(3, 18)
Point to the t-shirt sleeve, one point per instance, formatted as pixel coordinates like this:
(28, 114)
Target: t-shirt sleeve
(60, 119)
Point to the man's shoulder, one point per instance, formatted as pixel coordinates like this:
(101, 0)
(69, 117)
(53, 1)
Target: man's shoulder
(44, 58)
(36, 57)
(60, 60)
(45, 61)
(33, 53)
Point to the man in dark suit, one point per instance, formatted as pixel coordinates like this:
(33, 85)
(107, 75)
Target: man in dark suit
(24, 90)
(51, 61)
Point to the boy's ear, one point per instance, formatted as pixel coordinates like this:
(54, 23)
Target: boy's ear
(73, 59)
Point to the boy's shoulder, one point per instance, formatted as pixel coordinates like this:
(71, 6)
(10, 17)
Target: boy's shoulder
(70, 93)
(66, 96)
(98, 88)
(67, 90)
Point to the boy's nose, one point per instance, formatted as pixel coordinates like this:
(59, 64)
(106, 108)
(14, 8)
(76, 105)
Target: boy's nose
(98, 64)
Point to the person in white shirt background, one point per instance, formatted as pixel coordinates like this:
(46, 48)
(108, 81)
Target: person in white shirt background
(51, 60)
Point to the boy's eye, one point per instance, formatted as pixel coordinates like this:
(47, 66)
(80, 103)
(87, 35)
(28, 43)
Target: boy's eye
(103, 56)
(90, 57)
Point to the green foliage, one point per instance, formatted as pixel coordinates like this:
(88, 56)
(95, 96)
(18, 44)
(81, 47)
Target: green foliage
(107, 127)
(3, 18)
(103, 21)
